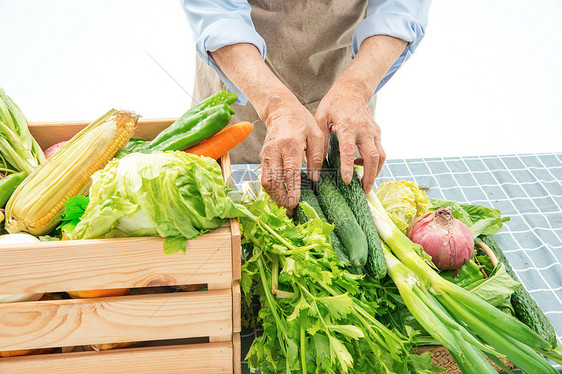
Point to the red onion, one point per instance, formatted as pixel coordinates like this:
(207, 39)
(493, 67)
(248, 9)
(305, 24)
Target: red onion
(52, 149)
(446, 239)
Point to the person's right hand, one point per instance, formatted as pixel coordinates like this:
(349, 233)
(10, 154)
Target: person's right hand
(291, 128)
(291, 131)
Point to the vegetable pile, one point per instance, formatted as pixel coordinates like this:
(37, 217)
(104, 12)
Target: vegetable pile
(310, 280)
(317, 316)
(102, 183)
(458, 319)
(126, 196)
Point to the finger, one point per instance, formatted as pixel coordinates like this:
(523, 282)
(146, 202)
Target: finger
(273, 177)
(315, 155)
(292, 170)
(324, 126)
(382, 155)
(347, 156)
(370, 155)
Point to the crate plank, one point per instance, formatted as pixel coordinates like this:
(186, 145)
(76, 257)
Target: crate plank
(113, 263)
(236, 307)
(209, 358)
(49, 133)
(234, 224)
(236, 353)
(60, 323)
(236, 249)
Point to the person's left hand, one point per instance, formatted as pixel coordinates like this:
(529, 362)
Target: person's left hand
(344, 111)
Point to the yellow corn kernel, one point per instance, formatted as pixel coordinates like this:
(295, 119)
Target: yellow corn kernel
(38, 202)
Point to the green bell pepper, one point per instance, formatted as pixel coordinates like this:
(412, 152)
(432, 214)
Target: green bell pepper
(182, 124)
(196, 129)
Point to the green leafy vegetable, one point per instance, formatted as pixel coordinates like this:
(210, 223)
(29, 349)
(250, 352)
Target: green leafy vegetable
(74, 210)
(316, 316)
(455, 208)
(175, 195)
(403, 201)
(485, 261)
(496, 289)
(479, 219)
(466, 275)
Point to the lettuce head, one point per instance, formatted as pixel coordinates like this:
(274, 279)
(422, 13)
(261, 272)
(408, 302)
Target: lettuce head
(176, 195)
(404, 201)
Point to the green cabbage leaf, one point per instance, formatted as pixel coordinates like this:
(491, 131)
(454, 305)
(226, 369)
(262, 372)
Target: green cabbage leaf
(174, 195)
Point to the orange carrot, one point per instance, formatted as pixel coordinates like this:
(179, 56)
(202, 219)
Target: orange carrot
(223, 141)
(97, 293)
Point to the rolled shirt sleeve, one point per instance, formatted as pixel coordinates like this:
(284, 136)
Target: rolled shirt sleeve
(217, 23)
(403, 19)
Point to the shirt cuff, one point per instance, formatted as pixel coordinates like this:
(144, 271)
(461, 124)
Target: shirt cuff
(227, 32)
(398, 25)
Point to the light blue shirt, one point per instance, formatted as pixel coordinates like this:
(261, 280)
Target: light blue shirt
(216, 23)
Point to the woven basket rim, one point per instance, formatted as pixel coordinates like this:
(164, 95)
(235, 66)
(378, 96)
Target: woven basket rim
(441, 357)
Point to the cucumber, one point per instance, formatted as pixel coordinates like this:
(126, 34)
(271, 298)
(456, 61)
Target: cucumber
(357, 202)
(308, 196)
(525, 307)
(345, 225)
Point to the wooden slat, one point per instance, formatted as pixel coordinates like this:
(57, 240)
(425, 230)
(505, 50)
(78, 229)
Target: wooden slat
(234, 224)
(236, 353)
(60, 323)
(114, 263)
(209, 358)
(49, 133)
(236, 307)
(236, 248)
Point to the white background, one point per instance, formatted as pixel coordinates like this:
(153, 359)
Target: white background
(486, 79)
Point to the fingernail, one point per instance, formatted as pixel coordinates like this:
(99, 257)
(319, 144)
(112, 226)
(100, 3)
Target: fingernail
(347, 178)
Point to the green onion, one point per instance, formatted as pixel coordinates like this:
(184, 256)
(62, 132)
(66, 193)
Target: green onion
(435, 320)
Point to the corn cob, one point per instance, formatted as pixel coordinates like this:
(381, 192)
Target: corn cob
(36, 205)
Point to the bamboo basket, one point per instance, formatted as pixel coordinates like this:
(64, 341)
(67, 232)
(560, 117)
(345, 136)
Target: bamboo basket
(441, 356)
(190, 332)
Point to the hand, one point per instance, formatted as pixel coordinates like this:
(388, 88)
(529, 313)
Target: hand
(344, 108)
(344, 111)
(291, 130)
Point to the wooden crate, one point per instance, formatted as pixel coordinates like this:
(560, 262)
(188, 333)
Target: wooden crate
(211, 317)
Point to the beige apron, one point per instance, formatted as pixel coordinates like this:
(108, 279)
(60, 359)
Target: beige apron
(308, 46)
